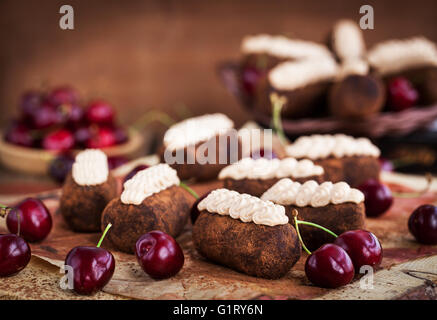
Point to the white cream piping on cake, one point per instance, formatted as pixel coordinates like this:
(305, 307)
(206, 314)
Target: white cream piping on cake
(292, 75)
(394, 56)
(197, 129)
(244, 207)
(324, 146)
(310, 193)
(282, 47)
(90, 168)
(248, 168)
(148, 182)
(348, 42)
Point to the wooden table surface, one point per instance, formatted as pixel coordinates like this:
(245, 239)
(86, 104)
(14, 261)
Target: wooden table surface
(409, 270)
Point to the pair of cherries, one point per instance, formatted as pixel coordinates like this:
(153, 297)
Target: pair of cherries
(29, 221)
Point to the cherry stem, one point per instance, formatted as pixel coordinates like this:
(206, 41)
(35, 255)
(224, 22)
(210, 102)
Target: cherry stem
(153, 115)
(104, 234)
(4, 210)
(298, 222)
(277, 105)
(417, 194)
(191, 191)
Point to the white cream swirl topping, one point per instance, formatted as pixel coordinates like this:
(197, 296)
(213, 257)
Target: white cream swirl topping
(398, 55)
(90, 168)
(310, 193)
(324, 146)
(248, 168)
(282, 47)
(291, 75)
(348, 42)
(197, 129)
(244, 207)
(147, 182)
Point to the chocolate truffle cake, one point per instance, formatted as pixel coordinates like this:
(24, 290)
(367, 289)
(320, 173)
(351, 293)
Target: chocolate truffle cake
(335, 206)
(151, 200)
(87, 190)
(200, 147)
(256, 176)
(245, 233)
(343, 158)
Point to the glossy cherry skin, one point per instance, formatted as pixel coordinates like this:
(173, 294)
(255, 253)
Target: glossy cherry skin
(134, 171)
(401, 94)
(63, 95)
(386, 165)
(194, 213)
(329, 266)
(14, 254)
(250, 78)
(101, 138)
(71, 114)
(81, 136)
(60, 167)
(35, 220)
(263, 153)
(423, 224)
(30, 103)
(362, 246)
(92, 268)
(117, 161)
(59, 140)
(120, 135)
(45, 117)
(159, 255)
(378, 197)
(100, 112)
(19, 135)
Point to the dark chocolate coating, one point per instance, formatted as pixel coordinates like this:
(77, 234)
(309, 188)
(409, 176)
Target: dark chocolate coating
(256, 187)
(357, 97)
(257, 250)
(338, 218)
(207, 171)
(82, 206)
(167, 211)
(353, 170)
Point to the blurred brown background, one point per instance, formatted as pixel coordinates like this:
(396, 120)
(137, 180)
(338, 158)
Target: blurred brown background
(162, 53)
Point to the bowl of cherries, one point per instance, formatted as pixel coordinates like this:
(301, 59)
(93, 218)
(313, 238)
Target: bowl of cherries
(58, 121)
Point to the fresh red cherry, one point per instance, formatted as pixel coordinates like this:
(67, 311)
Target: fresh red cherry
(71, 114)
(35, 220)
(81, 136)
(100, 112)
(63, 95)
(194, 213)
(101, 138)
(120, 135)
(263, 153)
(116, 161)
(45, 116)
(386, 165)
(134, 171)
(30, 103)
(423, 224)
(59, 140)
(250, 78)
(159, 255)
(93, 267)
(362, 246)
(401, 94)
(20, 135)
(329, 266)
(377, 197)
(14, 254)
(61, 166)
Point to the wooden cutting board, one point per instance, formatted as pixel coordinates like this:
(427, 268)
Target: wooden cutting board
(408, 270)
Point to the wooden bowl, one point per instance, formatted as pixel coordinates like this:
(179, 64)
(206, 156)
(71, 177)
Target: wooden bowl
(377, 126)
(37, 161)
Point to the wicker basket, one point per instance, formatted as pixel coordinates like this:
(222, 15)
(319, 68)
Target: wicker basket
(382, 124)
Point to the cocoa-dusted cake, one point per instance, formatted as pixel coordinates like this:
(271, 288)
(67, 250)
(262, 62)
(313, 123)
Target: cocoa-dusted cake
(151, 200)
(413, 58)
(355, 94)
(256, 176)
(344, 158)
(245, 233)
(200, 147)
(87, 190)
(335, 206)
